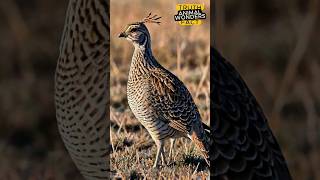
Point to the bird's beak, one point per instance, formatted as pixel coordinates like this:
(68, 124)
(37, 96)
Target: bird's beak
(122, 35)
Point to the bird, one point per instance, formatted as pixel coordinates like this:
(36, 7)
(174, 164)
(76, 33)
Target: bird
(244, 146)
(157, 98)
(81, 87)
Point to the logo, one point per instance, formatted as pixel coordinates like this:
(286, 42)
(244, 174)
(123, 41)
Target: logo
(189, 14)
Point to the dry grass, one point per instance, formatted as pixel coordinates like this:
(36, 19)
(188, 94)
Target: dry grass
(182, 50)
(133, 153)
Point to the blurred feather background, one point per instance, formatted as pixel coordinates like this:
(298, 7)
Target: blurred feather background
(275, 47)
(30, 146)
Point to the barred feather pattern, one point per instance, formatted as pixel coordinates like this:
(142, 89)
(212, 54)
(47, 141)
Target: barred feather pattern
(81, 86)
(160, 101)
(243, 144)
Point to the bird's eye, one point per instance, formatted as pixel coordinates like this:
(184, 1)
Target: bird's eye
(133, 30)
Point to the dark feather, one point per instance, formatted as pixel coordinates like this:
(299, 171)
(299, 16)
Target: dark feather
(239, 126)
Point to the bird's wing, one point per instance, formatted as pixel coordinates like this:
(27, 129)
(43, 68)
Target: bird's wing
(172, 100)
(243, 144)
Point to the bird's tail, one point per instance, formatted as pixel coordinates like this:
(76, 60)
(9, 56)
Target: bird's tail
(202, 140)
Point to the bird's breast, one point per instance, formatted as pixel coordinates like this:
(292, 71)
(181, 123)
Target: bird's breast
(138, 94)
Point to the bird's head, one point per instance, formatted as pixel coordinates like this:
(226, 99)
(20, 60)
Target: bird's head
(138, 32)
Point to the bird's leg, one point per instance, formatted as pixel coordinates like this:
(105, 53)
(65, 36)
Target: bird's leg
(163, 158)
(172, 141)
(159, 144)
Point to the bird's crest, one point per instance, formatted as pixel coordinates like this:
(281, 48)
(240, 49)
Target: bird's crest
(151, 19)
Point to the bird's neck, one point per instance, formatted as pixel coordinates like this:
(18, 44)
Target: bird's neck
(143, 58)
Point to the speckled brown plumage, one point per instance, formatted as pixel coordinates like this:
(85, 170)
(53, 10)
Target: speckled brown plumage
(81, 86)
(158, 99)
(243, 144)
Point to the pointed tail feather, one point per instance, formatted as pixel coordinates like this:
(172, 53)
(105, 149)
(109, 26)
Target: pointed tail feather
(202, 143)
(206, 128)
